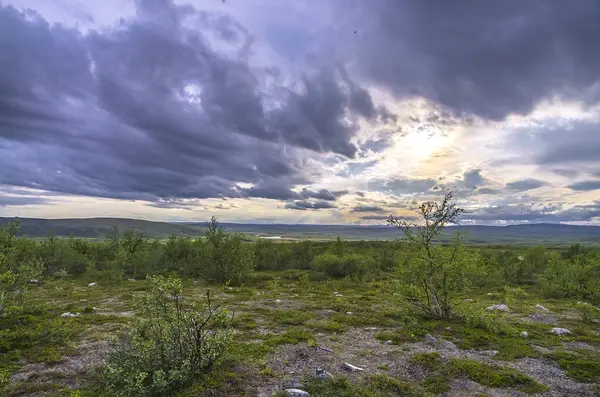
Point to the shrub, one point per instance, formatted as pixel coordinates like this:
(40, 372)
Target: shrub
(227, 258)
(168, 345)
(587, 312)
(433, 277)
(348, 265)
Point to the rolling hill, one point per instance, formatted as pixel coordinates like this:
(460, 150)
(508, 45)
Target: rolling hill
(551, 234)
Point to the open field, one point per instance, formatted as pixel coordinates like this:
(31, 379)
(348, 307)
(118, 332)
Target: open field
(281, 320)
(80, 317)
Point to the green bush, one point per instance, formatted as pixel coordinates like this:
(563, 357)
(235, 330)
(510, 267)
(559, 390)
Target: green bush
(434, 277)
(347, 265)
(168, 346)
(227, 259)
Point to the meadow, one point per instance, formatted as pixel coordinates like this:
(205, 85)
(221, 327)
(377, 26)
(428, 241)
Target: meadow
(221, 316)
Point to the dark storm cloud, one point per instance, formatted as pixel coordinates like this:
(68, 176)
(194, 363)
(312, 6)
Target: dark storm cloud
(367, 208)
(8, 201)
(488, 58)
(307, 205)
(524, 185)
(151, 110)
(585, 186)
(535, 213)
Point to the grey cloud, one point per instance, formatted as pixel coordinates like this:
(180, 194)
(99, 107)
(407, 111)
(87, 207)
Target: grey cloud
(402, 186)
(567, 173)
(535, 213)
(375, 217)
(10, 201)
(323, 194)
(472, 178)
(524, 185)
(487, 190)
(565, 144)
(585, 186)
(305, 205)
(150, 110)
(478, 57)
(367, 208)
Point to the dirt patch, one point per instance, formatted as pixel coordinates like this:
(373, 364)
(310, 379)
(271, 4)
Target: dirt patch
(68, 372)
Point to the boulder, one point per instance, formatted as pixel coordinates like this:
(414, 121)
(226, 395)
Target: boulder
(499, 307)
(559, 331)
(322, 374)
(430, 338)
(525, 334)
(92, 284)
(296, 393)
(540, 307)
(351, 368)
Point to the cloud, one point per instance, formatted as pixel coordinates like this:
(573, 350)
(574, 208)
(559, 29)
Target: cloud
(153, 109)
(375, 217)
(15, 201)
(305, 205)
(477, 58)
(533, 212)
(367, 208)
(399, 186)
(524, 185)
(323, 194)
(585, 186)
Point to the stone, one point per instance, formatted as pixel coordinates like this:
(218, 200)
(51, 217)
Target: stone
(131, 280)
(69, 314)
(322, 374)
(388, 342)
(33, 281)
(559, 331)
(351, 368)
(277, 300)
(540, 307)
(525, 334)
(293, 384)
(499, 307)
(296, 393)
(92, 284)
(348, 313)
(490, 353)
(430, 338)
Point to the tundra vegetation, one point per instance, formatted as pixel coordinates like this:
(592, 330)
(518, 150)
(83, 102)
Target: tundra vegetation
(221, 316)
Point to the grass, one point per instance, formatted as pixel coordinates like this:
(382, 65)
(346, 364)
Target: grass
(309, 314)
(583, 367)
(495, 376)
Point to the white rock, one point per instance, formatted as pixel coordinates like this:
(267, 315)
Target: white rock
(351, 368)
(538, 306)
(430, 338)
(348, 313)
(131, 280)
(296, 393)
(322, 374)
(559, 331)
(500, 307)
(388, 342)
(469, 300)
(33, 281)
(92, 284)
(525, 334)
(277, 300)
(69, 314)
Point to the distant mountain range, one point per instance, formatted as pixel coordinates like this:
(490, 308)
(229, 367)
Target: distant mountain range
(551, 234)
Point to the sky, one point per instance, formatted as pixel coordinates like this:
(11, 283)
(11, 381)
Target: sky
(305, 111)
